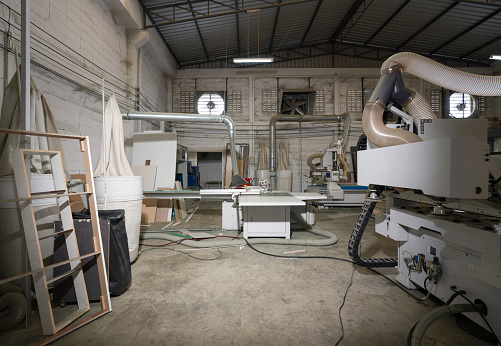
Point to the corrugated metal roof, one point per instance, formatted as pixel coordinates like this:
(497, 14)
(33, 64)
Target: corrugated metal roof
(209, 32)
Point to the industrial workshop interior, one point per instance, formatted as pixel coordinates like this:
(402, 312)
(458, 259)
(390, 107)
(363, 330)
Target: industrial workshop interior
(250, 172)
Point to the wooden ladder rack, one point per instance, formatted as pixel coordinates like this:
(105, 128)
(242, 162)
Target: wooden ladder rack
(38, 270)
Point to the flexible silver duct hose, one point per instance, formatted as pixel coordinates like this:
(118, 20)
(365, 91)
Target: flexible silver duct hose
(418, 108)
(329, 239)
(377, 132)
(311, 158)
(440, 312)
(444, 76)
(13, 300)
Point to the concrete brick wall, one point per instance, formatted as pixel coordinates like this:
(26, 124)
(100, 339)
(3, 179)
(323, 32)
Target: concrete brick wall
(315, 137)
(75, 44)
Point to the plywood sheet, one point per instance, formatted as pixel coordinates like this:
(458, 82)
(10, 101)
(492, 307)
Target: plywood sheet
(148, 173)
(149, 210)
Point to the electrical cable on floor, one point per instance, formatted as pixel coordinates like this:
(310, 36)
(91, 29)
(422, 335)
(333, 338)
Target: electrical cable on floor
(342, 260)
(187, 254)
(341, 307)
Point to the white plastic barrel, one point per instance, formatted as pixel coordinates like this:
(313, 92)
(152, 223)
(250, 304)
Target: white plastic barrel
(262, 174)
(123, 193)
(46, 212)
(284, 180)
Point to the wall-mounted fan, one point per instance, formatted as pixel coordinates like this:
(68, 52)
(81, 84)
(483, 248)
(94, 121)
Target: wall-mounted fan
(210, 102)
(296, 101)
(461, 105)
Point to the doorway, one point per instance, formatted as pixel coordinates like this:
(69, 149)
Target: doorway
(210, 165)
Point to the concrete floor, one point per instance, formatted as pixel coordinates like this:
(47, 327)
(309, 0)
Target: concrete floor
(246, 298)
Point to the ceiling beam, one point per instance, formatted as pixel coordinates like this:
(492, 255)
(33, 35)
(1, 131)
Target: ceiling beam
(387, 21)
(311, 21)
(481, 47)
(199, 32)
(382, 52)
(347, 17)
(145, 14)
(444, 12)
(219, 14)
(277, 14)
(464, 32)
(238, 29)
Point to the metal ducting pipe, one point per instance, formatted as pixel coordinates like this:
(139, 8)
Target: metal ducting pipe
(196, 118)
(298, 119)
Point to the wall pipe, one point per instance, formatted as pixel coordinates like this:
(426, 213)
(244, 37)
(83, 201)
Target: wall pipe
(196, 118)
(298, 119)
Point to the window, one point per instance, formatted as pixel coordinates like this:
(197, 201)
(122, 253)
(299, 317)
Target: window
(461, 105)
(210, 103)
(481, 106)
(187, 102)
(270, 101)
(234, 101)
(354, 101)
(319, 106)
(436, 101)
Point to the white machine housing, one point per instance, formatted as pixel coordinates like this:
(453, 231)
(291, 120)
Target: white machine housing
(453, 161)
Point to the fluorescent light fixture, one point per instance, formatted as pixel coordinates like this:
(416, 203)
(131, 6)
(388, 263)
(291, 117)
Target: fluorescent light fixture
(495, 57)
(251, 60)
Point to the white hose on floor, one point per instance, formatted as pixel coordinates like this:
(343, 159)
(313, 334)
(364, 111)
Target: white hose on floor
(330, 238)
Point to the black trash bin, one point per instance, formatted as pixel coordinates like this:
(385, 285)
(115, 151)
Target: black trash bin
(119, 273)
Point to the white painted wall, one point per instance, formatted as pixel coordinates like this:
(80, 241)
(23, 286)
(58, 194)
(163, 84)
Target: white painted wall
(77, 43)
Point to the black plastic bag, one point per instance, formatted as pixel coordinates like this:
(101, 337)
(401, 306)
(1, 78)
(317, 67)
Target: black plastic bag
(119, 273)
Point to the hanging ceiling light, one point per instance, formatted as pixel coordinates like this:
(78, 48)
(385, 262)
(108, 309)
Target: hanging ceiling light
(255, 59)
(250, 60)
(495, 57)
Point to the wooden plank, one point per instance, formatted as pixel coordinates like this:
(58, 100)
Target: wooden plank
(65, 275)
(149, 210)
(148, 173)
(32, 243)
(32, 272)
(171, 204)
(69, 329)
(163, 207)
(89, 179)
(44, 197)
(41, 134)
(72, 317)
(182, 203)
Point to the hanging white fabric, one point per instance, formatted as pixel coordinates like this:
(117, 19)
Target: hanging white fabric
(41, 120)
(112, 161)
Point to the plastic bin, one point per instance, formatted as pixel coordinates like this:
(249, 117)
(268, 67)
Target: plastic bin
(120, 275)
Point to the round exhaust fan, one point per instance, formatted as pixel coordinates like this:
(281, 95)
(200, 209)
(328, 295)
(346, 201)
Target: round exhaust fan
(461, 105)
(210, 103)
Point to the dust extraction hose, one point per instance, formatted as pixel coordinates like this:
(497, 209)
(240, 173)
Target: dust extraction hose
(330, 238)
(13, 300)
(440, 312)
(312, 157)
(391, 85)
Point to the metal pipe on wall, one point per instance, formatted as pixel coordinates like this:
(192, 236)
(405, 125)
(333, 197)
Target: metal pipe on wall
(196, 118)
(293, 118)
